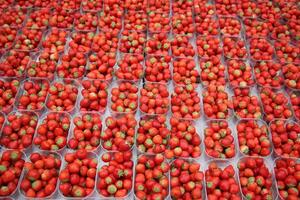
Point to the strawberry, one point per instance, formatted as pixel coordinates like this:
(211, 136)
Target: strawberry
(101, 66)
(245, 104)
(135, 21)
(14, 63)
(284, 138)
(86, 22)
(212, 71)
(158, 44)
(86, 132)
(186, 180)
(19, 129)
(158, 22)
(219, 141)
(94, 95)
(253, 136)
(8, 91)
(38, 19)
(132, 42)
(53, 131)
(119, 133)
(34, 95)
(152, 134)
(184, 141)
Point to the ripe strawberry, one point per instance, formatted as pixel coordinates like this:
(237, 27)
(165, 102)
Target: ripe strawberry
(113, 5)
(53, 131)
(183, 23)
(19, 129)
(115, 176)
(62, 96)
(151, 177)
(2, 120)
(253, 138)
(135, 5)
(14, 63)
(185, 102)
(55, 41)
(33, 95)
(124, 98)
(8, 91)
(222, 180)
(86, 132)
(72, 65)
(154, 98)
(269, 11)
(181, 7)
(295, 101)
(7, 37)
(152, 134)
(280, 32)
(44, 66)
(70, 5)
(81, 42)
(94, 96)
(284, 138)
(216, 102)
(204, 9)
(132, 42)
(181, 47)
(101, 66)
(268, 74)
(219, 141)
(91, 5)
(248, 9)
(234, 48)
(158, 22)
(62, 18)
(230, 26)
(206, 26)
(41, 175)
(158, 69)
(11, 166)
(287, 173)
(286, 52)
(184, 141)
(186, 180)
(158, 44)
(130, 67)
(87, 21)
(160, 6)
(77, 178)
(135, 21)
(38, 19)
(261, 49)
(105, 43)
(227, 8)
(119, 133)
(291, 74)
(245, 104)
(255, 27)
(275, 104)
(13, 16)
(28, 40)
(110, 21)
(240, 73)
(212, 71)
(184, 71)
(255, 176)
(208, 46)
(5, 4)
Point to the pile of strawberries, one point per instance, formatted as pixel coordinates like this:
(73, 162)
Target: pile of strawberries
(125, 98)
